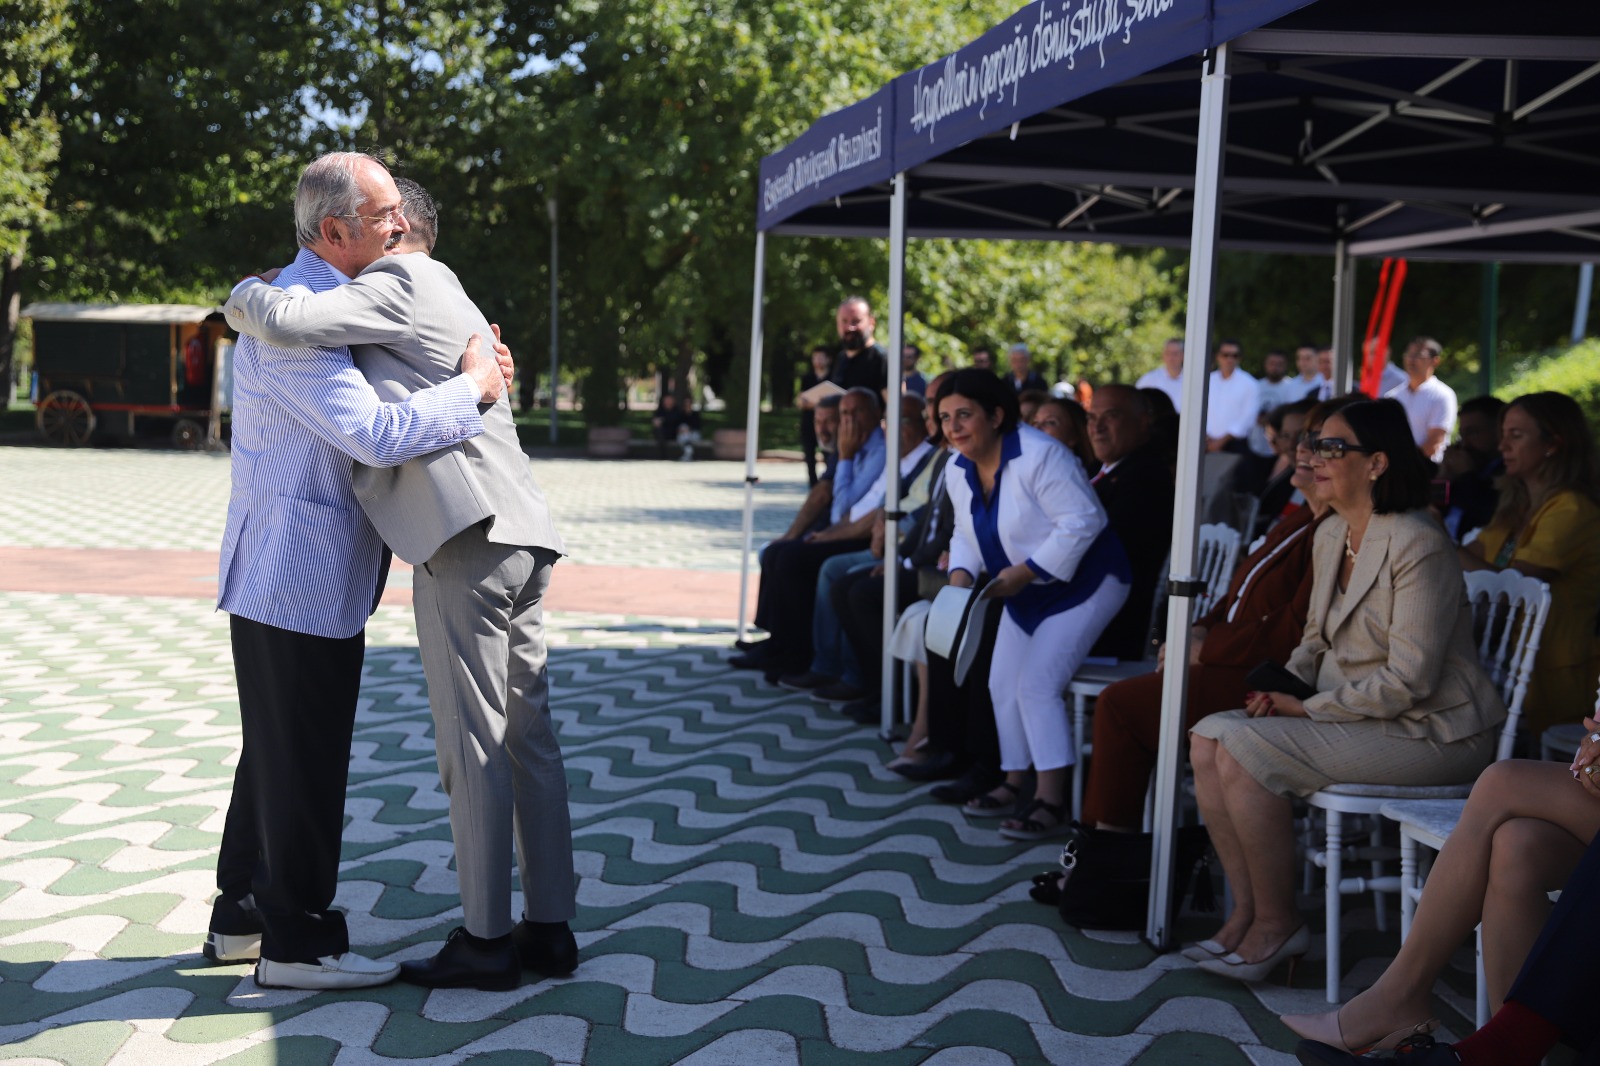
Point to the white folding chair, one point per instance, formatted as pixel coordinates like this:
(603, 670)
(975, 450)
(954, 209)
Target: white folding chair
(1219, 554)
(1510, 609)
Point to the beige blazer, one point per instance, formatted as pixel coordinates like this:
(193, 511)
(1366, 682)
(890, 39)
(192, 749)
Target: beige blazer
(406, 320)
(1399, 646)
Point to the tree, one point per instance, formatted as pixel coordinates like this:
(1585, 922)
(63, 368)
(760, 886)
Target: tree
(33, 38)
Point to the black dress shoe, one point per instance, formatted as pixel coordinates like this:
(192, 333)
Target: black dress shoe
(750, 645)
(235, 931)
(940, 766)
(841, 692)
(467, 961)
(863, 712)
(804, 681)
(1414, 1051)
(751, 660)
(547, 948)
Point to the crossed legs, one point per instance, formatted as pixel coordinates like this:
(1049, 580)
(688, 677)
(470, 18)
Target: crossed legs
(1523, 831)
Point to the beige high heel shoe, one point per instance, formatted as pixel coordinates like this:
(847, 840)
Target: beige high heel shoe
(1233, 965)
(1325, 1029)
(1201, 950)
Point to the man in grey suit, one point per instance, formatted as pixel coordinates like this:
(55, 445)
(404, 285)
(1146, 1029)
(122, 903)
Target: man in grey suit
(475, 526)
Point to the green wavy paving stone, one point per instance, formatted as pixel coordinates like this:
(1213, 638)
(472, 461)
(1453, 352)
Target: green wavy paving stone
(287, 1051)
(983, 1028)
(411, 1036)
(512, 1058)
(1191, 1049)
(85, 1044)
(822, 1053)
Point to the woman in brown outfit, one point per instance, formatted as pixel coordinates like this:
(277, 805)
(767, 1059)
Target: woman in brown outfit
(1262, 617)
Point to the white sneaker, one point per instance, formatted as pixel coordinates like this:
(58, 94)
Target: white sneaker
(331, 971)
(221, 947)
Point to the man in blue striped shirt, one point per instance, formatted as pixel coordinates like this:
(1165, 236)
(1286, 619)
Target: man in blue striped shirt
(301, 570)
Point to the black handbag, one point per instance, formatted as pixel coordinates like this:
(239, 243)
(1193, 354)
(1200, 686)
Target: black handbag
(1106, 876)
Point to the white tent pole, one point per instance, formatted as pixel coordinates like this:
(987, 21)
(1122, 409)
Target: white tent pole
(1345, 356)
(752, 435)
(1185, 516)
(891, 460)
(1580, 313)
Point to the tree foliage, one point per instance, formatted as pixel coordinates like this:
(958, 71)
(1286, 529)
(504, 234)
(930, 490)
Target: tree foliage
(182, 125)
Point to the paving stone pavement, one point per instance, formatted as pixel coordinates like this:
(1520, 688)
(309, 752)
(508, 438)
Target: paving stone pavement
(626, 513)
(755, 888)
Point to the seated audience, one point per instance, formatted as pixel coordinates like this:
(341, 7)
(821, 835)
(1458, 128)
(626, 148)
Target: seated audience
(1284, 426)
(1231, 402)
(1472, 465)
(1163, 425)
(1067, 422)
(814, 512)
(1547, 526)
(834, 674)
(789, 567)
(1400, 697)
(666, 422)
(1523, 833)
(1134, 484)
(688, 433)
(1028, 404)
(1027, 518)
(1261, 618)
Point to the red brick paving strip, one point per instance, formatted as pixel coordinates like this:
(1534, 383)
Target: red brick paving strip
(633, 590)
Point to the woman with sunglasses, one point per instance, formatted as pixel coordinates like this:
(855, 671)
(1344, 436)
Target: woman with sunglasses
(1545, 527)
(1399, 696)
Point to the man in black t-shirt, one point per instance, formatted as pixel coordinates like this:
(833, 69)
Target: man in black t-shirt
(861, 361)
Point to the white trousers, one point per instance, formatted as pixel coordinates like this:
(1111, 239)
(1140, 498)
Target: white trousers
(1029, 674)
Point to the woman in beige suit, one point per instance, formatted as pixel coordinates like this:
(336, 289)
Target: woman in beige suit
(1400, 698)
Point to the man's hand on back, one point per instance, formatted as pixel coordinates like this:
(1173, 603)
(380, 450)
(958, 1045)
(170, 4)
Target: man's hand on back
(502, 354)
(484, 370)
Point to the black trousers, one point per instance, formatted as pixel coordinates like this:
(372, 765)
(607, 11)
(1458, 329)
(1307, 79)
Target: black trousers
(961, 717)
(297, 703)
(858, 603)
(787, 599)
(1557, 981)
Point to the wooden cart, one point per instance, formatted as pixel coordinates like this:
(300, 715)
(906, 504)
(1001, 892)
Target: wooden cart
(102, 367)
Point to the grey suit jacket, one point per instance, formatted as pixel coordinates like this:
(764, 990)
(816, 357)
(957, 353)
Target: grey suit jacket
(1401, 638)
(406, 319)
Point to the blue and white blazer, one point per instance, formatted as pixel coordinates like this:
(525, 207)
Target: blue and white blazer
(298, 552)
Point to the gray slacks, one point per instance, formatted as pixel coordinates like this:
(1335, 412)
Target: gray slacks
(480, 625)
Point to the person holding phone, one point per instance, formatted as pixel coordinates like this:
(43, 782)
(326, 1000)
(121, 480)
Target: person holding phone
(1400, 697)
(1026, 516)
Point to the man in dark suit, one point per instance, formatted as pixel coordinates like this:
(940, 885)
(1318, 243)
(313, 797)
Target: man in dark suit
(1135, 486)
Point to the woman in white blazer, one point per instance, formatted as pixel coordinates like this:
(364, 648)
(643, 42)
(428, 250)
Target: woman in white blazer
(1026, 517)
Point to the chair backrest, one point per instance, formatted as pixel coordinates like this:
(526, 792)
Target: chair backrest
(1508, 615)
(1246, 511)
(1219, 554)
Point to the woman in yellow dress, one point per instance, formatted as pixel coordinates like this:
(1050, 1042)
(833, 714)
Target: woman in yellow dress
(1548, 526)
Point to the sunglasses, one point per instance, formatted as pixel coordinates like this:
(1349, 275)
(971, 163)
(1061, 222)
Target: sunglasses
(1336, 447)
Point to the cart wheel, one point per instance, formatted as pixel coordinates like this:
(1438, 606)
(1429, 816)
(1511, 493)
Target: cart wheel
(64, 417)
(188, 434)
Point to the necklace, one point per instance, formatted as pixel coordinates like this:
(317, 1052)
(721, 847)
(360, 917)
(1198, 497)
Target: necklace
(1349, 552)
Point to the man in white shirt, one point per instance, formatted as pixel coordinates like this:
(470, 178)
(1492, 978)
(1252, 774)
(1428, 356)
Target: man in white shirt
(1310, 379)
(1327, 390)
(1430, 404)
(1392, 376)
(1232, 403)
(1168, 377)
(1273, 390)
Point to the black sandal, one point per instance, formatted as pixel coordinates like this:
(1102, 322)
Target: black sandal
(1030, 828)
(984, 805)
(1046, 888)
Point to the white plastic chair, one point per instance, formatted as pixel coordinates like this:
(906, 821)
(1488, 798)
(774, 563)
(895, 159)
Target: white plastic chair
(1510, 609)
(1218, 555)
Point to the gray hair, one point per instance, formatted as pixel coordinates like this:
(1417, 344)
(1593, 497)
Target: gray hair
(327, 189)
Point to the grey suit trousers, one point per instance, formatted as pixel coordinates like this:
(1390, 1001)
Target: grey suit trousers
(480, 625)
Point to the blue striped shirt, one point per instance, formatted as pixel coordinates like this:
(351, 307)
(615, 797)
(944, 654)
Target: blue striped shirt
(298, 552)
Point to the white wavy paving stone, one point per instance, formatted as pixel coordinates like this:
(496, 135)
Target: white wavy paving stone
(765, 1046)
